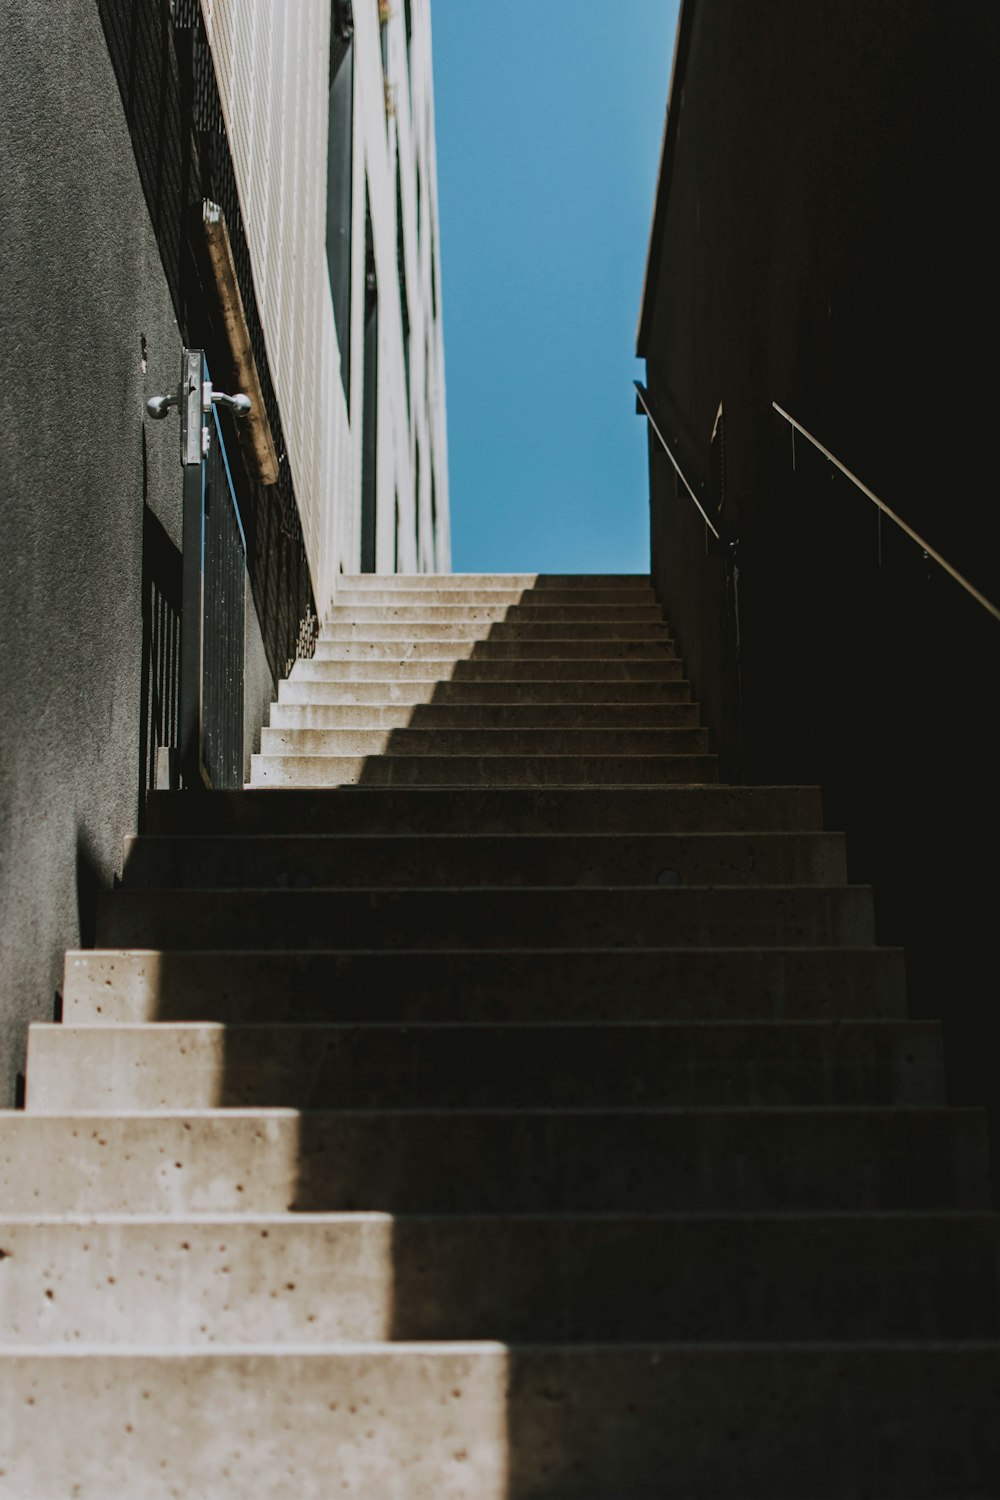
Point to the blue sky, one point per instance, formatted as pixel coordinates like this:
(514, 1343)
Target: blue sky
(549, 121)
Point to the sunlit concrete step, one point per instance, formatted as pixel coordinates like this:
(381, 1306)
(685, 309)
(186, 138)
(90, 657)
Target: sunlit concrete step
(207, 1065)
(298, 862)
(633, 597)
(560, 650)
(505, 716)
(534, 632)
(471, 742)
(741, 984)
(608, 696)
(583, 669)
(457, 770)
(486, 810)
(481, 1421)
(494, 917)
(329, 1278)
(359, 612)
(393, 582)
(644, 1160)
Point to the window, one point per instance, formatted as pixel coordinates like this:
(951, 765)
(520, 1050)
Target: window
(340, 179)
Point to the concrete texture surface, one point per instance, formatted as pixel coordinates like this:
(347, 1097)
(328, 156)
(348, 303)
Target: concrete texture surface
(89, 333)
(612, 1077)
(119, 985)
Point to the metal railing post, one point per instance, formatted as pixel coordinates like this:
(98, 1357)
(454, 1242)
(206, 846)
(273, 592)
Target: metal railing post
(193, 573)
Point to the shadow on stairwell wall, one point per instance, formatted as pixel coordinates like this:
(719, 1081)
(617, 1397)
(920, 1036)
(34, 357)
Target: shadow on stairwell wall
(89, 885)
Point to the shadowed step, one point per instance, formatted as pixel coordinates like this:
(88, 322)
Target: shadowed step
(497, 859)
(740, 984)
(319, 1279)
(484, 1066)
(494, 1161)
(493, 917)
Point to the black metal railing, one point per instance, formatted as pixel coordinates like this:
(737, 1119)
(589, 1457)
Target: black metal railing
(645, 407)
(720, 542)
(161, 653)
(223, 620)
(213, 588)
(929, 552)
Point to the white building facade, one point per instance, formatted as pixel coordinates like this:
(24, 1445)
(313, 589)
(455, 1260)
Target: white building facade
(329, 111)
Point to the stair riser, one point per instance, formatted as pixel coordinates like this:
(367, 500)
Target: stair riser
(564, 860)
(688, 917)
(742, 984)
(596, 603)
(486, 1423)
(445, 742)
(312, 1280)
(391, 583)
(488, 810)
(542, 695)
(589, 668)
(107, 1068)
(448, 650)
(358, 612)
(481, 771)
(550, 603)
(507, 717)
(606, 633)
(647, 1161)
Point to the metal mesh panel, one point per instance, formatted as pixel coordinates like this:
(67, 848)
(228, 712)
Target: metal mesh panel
(167, 82)
(224, 606)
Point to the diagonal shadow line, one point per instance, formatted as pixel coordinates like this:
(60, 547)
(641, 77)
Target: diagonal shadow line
(445, 1194)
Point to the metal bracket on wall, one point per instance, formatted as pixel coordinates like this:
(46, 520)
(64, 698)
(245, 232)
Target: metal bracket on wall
(194, 399)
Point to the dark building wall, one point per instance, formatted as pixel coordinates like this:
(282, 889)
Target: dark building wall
(820, 241)
(110, 136)
(81, 286)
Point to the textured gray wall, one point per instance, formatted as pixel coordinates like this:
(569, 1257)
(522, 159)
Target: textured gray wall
(81, 285)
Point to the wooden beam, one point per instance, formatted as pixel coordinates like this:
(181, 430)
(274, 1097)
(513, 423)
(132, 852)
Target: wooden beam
(256, 438)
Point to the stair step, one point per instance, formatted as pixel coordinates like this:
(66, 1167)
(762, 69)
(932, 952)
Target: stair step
(586, 669)
(455, 770)
(208, 1065)
(488, 810)
(120, 985)
(603, 859)
(333, 1278)
(593, 618)
(561, 652)
(494, 1161)
(505, 716)
(630, 634)
(421, 1421)
(441, 582)
(497, 596)
(465, 694)
(492, 917)
(473, 742)
(481, 770)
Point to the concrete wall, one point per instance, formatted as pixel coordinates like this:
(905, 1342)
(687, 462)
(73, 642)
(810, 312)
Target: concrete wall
(85, 305)
(819, 240)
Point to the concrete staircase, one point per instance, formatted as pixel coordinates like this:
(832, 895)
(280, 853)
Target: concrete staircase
(503, 1110)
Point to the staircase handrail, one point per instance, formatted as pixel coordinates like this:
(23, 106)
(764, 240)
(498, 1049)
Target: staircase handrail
(643, 396)
(886, 511)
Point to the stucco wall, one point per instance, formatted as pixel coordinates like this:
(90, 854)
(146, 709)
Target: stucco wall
(81, 286)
